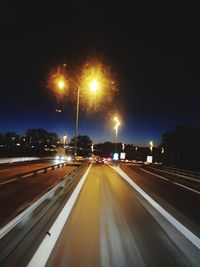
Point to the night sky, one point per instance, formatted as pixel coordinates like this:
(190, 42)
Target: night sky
(154, 54)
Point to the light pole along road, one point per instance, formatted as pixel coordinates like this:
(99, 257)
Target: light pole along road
(116, 128)
(94, 82)
(93, 87)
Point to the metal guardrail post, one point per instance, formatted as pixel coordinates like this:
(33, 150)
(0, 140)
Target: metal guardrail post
(18, 177)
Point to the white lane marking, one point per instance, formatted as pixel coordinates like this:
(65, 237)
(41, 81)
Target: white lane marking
(180, 227)
(42, 254)
(186, 187)
(155, 174)
(179, 175)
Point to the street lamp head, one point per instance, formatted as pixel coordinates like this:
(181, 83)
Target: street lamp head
(94, 86)
(117, 121)
(61, 84)
(151, 143)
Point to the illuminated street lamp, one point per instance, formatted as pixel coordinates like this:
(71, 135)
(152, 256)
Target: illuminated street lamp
(61, 84)
(116, 131)
(93, 85)
(95, 80)
(151, 146)
(58, 81)
(64, 140)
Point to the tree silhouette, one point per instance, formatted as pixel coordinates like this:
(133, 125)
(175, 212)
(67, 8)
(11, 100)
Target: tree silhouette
(182, 147)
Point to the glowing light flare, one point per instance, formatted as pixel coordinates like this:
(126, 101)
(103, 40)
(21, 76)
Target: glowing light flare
(151, 145)
(58, 82)
(116, 126)
(61, 84)
(96, 84)
(117, 123)
(64, 139)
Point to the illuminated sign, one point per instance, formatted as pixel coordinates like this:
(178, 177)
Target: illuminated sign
(116, 156)
(122, 155)
(149, 159)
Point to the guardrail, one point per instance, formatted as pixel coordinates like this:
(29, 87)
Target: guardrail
(19, 227)
(184, 174)
(17, 177)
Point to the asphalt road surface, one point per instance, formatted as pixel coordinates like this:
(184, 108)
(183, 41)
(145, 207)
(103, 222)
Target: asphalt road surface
(178, 200)
(112, 225)
(24, 167)
(16, 196)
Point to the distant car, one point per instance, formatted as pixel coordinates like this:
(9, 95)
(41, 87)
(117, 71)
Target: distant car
(99, 161)
(60, 157)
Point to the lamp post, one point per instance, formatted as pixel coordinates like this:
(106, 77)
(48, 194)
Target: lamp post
(151, 146)
(93, 76)
(64, 140)
(61, 84)
(76, 127)
(93, 87)
(116, 131)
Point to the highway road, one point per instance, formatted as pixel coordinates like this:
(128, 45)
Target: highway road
(24, 167)
(16, 196)
(112, 224)
(181, 201)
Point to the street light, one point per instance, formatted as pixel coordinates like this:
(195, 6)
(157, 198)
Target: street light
(61, 84)
(95, 79)
(64, 140)
(58, 81)
(151, 145)
(93, 85)
(116, 131)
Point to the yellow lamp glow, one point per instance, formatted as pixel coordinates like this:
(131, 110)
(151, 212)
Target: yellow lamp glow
(94, 86)
(61, 84)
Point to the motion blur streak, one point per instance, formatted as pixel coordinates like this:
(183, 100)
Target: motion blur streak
(118, 246)
(187, 233)
(109, 226)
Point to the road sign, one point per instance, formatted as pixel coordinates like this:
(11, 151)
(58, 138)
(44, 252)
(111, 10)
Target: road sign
(122, 155)
(149, 159)
(116, 156)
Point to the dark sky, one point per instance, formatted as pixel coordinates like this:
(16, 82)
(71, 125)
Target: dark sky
(153, 52)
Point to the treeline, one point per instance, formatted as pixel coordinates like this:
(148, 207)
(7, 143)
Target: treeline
(179, 148)
(182, 147)
(41, 142)
(133, 152)
(34, 142)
